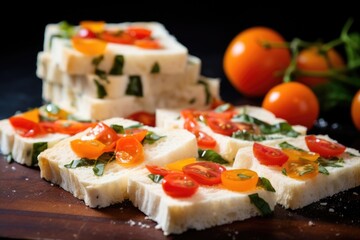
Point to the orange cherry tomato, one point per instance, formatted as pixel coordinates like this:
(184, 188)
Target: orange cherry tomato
(94, 26)
(69, 126)
(103, 133)
(294, 102)
(205, 173)
(32, 115)
(180, 164)
(145, 118)
(301, 169)
(355, 110)
(147, 43)
(240, 180)
(296, 154)
(119, 37)
(91, 149)
(89, 46)
(154, 169)
(129, 151)
(138, 133)
(25, 127)
(138, 32)
(179, 185)
(269, 156)
(324, 147)
(252, 68)
(311, 60)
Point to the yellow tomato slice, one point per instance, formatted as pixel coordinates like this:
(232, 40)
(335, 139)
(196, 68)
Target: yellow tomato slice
(91, 149)
(178, 165)
(129, 151)
(295, 154)
(94, 26)
(240, 180)
(301, 169)
(89, 46)
(32, 115)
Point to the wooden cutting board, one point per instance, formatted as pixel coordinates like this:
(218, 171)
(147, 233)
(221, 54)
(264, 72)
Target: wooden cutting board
(31, 207)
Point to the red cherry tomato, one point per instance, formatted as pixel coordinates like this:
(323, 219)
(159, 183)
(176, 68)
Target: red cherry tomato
(154, 169)
(179, 185)
(324, 147)
(222, 126)
(25, 127)
(204, 141)
(145, 118)
(355, 110)
(138, 32)
(103, 133)
(269, 156)
(205, 173)
(85, 33)
(117, 37)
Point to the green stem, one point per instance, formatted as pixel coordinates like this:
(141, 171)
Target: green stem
(331, 74)
(334, 43)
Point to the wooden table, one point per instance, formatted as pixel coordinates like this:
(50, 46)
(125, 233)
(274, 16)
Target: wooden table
(31, 207)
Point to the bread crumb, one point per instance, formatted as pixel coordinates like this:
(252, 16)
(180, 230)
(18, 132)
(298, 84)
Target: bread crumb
(337, 234)
(13, 168)
(26, 179)
(355, 193)
(14, 191)
(323, 203)
(331, 210)
(131, 222)
(311, 223)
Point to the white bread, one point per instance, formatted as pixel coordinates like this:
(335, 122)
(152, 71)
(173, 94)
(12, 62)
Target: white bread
(111, 187)
(208, 207)
(294, 194)
(227, 147)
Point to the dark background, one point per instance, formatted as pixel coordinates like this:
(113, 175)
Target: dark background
(205, 29)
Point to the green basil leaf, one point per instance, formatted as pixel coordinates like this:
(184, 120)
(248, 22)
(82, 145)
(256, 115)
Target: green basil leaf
(156, 178)
(118, 128)
(99, 168)
(260, 203)
(66, 30)
(283, 171)
(134, 86)
(97, 60)
(351, 154)
(82, 162)
(245, 135)
(117, 68)
(243, 176)
(330, 162)
(37, 149)
(223, 107)
(9, 158)
(306, 169)
(155, 68)
(106, 157)
(265, 184)
(323, 170)
(101, 91)
(102, 75)
(151, 137)
(207, 90)
(286, 145)
(140, 125)
(212, 156)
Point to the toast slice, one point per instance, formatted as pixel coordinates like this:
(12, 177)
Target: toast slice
(340, 174)
(111, 187)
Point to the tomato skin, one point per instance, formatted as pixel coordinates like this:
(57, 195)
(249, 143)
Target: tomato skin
(355, 110)
(179, 185)
(269, 156)
(91, 149)
(129, 151)
(147, 43)
(154, 169)
(138, 32)
(85, 33)
(250, 67)
(240, 180)
(301, 169)
(294, 102)
(205, 173)
(145, 118)
(138, 133)
(221, 126)
(324, 147)
(25, 127)
(117, 37)
(103, 133)
(204, 141)
(310, 60)
(70, 127)
(180, 164)
(89, 46)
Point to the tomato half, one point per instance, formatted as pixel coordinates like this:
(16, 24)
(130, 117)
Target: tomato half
(85, 33)
(32, 115)
(296, 154)
(138, 32)
(301, 169)
(25, 127)
(222, 126)
(269, 156)
(119, 37)
(145, 118)
(179, 185)
(311, 60)
(294, 102)
(205, 173)
(94, 26)
(89, 46)
(252, 68)
(148, 44)
(240, 180)
(129, 151)
(204, 140)
(69, 126)
(154, 169)
(355, 110)
(103, 133)
(91, 149)
(324, 147)
(138, 133)
(180, 164)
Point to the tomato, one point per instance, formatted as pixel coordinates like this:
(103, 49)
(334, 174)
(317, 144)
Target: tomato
(69, 126)
(324, 147)
(240, 180)
(119, 37)
(205, 173)
(91, 149)
(147, 43)
(301, 169)
(179, 185)
(154, 169)
(204, 140)
(145, 118)
(252, 68)
(296, 154)
(355, 110)
(221, 126)
(85, 33)
(310, 59)
(25, 127)
(129, 151)
(89, 46)
(294, 102)
(32, 115)
(180, 164)
(188, 113)
(103, 133)
(138, 32)
(138, 133)
(94, 26)
(269, 156)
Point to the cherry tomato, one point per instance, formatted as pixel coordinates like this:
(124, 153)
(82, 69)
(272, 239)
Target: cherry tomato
(221, 126)
(240, 180)
(180, 164)
(119, 37)
(205, 173)
(91, 149)
(69, 126)
(145, 118)
(252, 68)
(311, 60)
(25, 127)
(301, 169)
(103, 133)
(154, 169)
(324, 147)
(138, 32)
(296, 154)
(32, 115)
(179, 185)
(129, 151)
(94, 26)
(85, 33)
(355, 110)
(294, 102)
(269, 156)
(147, 43)
(138, 133)
(204, 140)
(89, 46)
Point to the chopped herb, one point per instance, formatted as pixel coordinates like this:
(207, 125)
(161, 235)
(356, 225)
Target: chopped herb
(118, 128)
(286, 145)
(305, 169)
(207, 90)
(265, 184)
(261, 204)
(102, 75)
(82, 162)
(243, 176)
(117, 68)
(101, 91)
(51, 108)
(223, 107)
(245, 135)
(212, 156)
(283, 171)
(192, 101)
(151, 137)
(330, 162)
(99, 168)
(8, 158)
(323, 170)
(134, 86)
(156, 178)
(155, 68)
(37, 149)
(66, 30)
(351, 154)
(135, 126)
(97, 60)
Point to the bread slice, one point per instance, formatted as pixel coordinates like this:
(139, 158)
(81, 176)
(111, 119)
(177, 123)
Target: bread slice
(227, 147)
(111, 187)
(171, 58)
(294, 194)
(209, 206)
